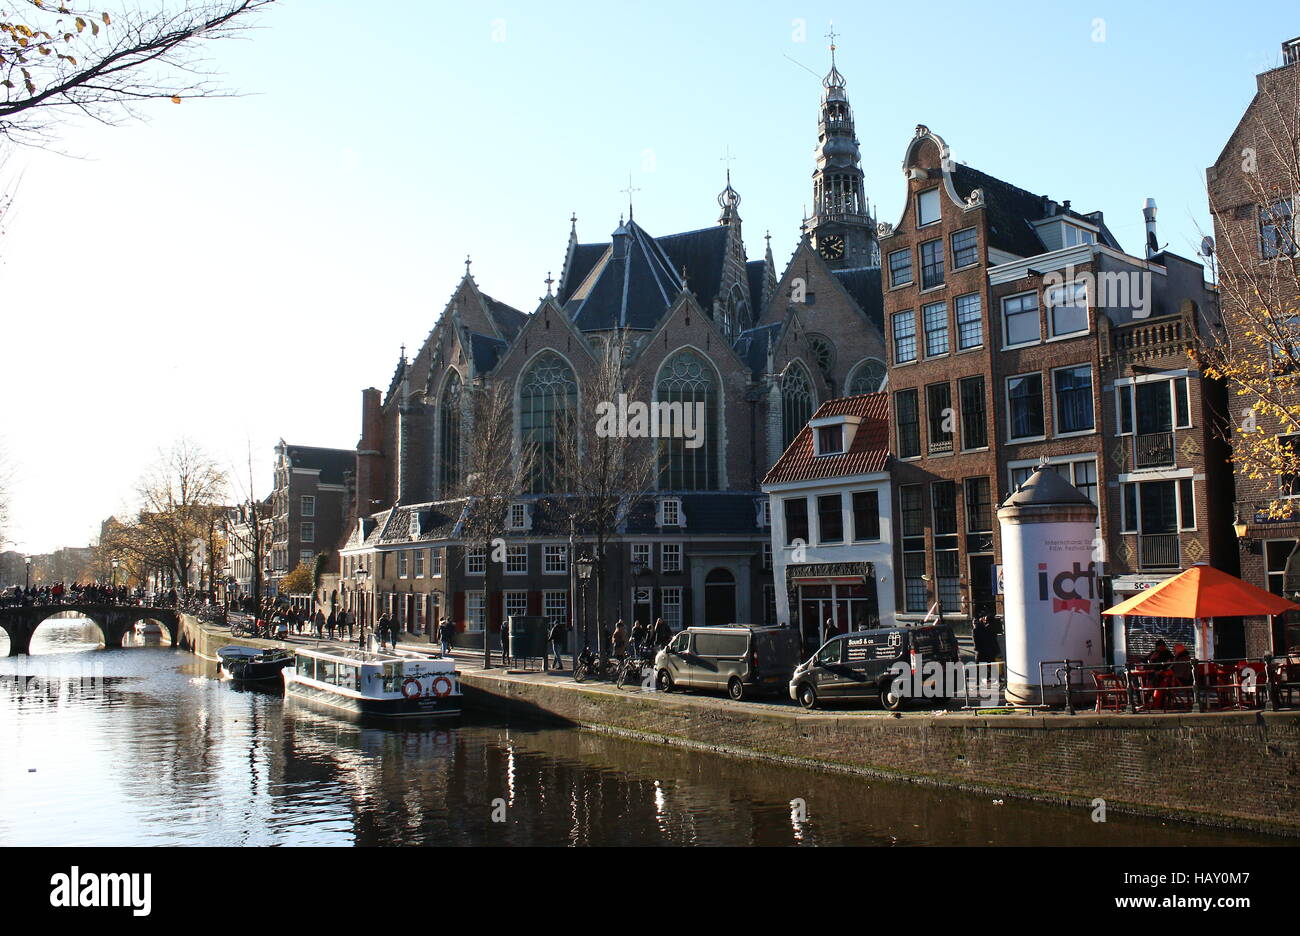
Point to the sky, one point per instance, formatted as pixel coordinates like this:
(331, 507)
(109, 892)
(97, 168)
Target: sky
(235, 271)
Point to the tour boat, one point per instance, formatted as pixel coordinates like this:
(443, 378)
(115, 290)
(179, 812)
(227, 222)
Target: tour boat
(245, 664)
(387, 682)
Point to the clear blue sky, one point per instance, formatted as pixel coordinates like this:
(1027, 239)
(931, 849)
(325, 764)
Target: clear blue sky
(238, 270)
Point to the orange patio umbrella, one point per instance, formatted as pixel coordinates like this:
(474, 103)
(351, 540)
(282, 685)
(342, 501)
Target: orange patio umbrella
(1201, 593)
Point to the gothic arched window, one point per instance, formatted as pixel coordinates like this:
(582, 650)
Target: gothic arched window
(688, 386)
(796, 402)
(548, 397)
(823, 354)
(868, 377)
(449, 417)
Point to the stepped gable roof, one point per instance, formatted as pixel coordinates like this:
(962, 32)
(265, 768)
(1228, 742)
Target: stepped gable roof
(333, 464)
(756, 273)
(631, 286)
(752, 344)
(864, 286)
(868, 453)
(702, 253)
(1010, 211)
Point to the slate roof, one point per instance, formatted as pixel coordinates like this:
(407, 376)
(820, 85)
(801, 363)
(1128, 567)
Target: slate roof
(864, 286)
(509, 319)
(711, 513)
(437, 521)
(755, 272)
(1010, 210)
(633, 290)
(869, 452)
(702, 253)
(332, 463)
(751, 345)
(486, 351)
(585, 256)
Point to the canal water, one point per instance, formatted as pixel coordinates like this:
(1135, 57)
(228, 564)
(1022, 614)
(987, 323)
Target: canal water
(143, 746)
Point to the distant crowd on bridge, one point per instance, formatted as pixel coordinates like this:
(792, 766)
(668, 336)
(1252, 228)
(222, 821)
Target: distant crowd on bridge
(93, 593)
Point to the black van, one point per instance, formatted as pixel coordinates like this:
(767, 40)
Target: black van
(861, 665)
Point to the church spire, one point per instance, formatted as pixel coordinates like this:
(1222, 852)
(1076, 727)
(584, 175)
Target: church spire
(841, 226)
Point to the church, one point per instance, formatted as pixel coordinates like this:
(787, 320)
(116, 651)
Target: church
(759, 349)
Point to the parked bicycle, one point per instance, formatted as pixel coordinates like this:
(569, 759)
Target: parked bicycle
(588, 664)
(635, 667)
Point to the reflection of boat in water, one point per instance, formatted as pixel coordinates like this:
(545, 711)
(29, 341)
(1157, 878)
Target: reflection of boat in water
(387, 683)
(245, 664)
(148, 629)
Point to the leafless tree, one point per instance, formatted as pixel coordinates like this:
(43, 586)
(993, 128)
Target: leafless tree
(496, 471)
(603, 475)
(246, 530)
(57, 60)
(1257, 351)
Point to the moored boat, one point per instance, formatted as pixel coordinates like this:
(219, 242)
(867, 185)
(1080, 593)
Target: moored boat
(385, 683)
(246, 664)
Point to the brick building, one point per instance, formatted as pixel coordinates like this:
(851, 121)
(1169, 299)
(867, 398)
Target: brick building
(1252, 195)
(705, 325)
(309, 505)
(1019, 332)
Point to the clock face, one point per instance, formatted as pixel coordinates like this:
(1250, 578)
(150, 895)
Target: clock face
(832, 247)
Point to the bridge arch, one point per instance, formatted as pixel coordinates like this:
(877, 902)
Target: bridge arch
(68, 615)
(114, 622)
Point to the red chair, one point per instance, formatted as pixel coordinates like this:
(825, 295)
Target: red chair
(1112, 695)
(1252, 690)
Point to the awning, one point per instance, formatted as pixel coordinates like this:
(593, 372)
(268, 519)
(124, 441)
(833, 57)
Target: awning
(1203, 592)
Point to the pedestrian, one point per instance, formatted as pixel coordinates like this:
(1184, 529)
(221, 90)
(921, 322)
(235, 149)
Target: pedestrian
(446, 633)
(618, 641)
(638, 636)
(662, 633)
(381, 629)
(346, 617)
(505, 640)
(986, 642)
(331, 623)
(318, 623)
(556, 638)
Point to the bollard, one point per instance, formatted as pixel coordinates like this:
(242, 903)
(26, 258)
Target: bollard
(1198, 693)
(1069, 700)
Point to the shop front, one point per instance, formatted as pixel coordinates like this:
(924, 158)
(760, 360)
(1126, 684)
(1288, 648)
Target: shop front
(829, 605)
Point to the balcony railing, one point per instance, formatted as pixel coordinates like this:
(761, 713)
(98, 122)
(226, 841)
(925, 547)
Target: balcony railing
(1158, 551)
(1153, 450)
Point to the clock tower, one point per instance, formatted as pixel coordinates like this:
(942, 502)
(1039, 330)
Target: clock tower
(841, 228)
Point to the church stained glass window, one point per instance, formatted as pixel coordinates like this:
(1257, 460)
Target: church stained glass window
(688, 379)
(548, 398)
(449, 417)
(796, 402)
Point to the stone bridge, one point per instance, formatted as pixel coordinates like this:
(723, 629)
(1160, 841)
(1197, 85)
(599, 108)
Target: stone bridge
(113, 620)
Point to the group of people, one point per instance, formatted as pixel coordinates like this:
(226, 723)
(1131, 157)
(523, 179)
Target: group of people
(1166, 670)
(81, 593)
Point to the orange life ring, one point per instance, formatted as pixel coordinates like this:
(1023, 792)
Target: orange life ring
(442, 693)
(406, 686)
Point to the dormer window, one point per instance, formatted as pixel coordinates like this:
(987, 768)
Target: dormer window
(832, 435)
(670, 511)
(830, 440)
(1073, 235)
(517, 517)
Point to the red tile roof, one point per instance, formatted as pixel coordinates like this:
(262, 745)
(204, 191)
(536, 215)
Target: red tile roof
(869, 452)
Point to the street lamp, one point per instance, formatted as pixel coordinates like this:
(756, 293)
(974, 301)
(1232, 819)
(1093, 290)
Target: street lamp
(115, 565)
(584, 567)
(28, 560)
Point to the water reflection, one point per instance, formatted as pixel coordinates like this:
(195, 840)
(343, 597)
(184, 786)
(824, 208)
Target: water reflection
(146, 747)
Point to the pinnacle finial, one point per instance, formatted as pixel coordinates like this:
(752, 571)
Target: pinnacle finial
(628, 191)
(549, 281)
(467, 263)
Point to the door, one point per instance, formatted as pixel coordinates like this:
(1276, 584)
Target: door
(680, 660)
(830, 675)
(720, 597)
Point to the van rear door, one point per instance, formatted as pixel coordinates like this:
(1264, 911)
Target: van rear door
(778, 655)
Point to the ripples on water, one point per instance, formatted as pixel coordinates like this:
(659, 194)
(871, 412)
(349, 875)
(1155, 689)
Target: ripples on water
(143, 746)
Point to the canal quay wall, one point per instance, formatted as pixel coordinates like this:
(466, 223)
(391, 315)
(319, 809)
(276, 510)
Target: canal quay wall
(1235, 769)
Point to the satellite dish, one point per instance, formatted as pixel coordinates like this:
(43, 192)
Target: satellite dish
(1207, 246)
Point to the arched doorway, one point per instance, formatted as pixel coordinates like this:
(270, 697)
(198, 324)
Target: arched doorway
(720, 597)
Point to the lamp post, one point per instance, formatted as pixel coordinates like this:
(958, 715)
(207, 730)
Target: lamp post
(115, 564)
(28, 560)
(584, 566)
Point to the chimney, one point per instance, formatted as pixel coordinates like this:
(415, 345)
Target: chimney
(1149, 213)
(370, 459)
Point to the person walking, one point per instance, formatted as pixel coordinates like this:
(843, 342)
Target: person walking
(618, 640)
(638, 636)
(381, 629)
(504, 630)
(556, 637)
(662, 633)
(446, 633)
(318, 623)
(331, 623)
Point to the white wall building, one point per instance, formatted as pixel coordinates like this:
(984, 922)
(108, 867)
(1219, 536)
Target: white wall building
(832, 528)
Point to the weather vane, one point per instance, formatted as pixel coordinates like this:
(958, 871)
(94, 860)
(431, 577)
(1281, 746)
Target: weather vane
(628, 191)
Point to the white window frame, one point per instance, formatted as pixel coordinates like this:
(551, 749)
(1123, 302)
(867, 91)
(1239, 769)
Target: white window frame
(670, 506)
(555, 604)
(1006, 391)
(517, 516)
(419, 563)
(1077, 287)
(767, 554)
(1132, 384)
(307, 505)
(307, 531)
(1056, 416)
(644, 554)
(549, 564)
(674, 619)
(435, 563)
(921, 198)
(513, 594)
(514, 552)
(1006, 333)
(403, 566)
(475, 610)
(664, 565)
(475, 560)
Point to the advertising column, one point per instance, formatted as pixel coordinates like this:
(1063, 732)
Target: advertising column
(1051, 566)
